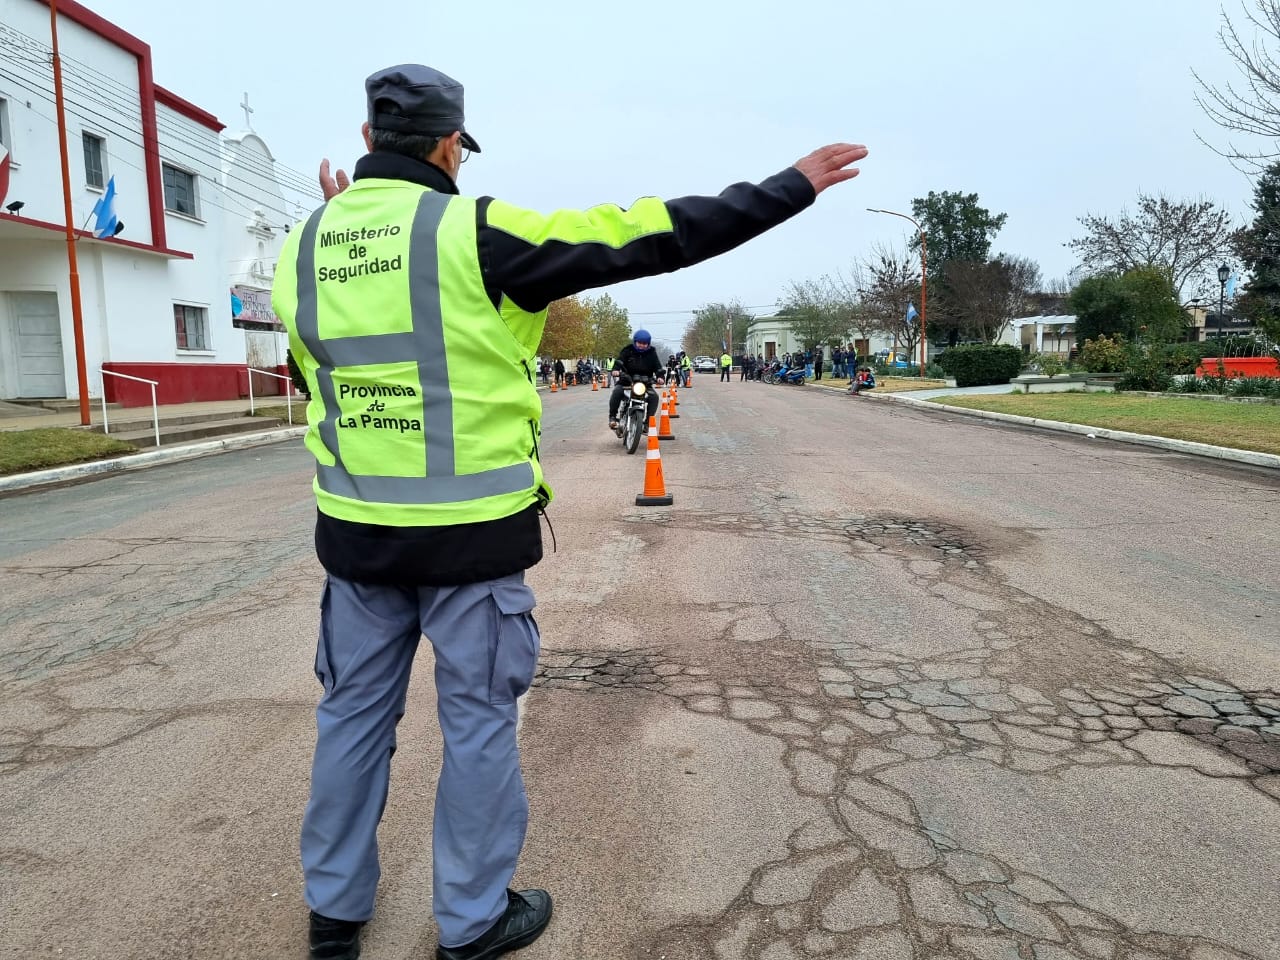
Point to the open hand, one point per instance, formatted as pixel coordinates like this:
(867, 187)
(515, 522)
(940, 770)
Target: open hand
(825, 167)
(329, 185)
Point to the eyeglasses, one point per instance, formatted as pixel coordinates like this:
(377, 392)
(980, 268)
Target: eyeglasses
(466, 154)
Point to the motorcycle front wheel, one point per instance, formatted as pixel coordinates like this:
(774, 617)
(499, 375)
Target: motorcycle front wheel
(631, 436)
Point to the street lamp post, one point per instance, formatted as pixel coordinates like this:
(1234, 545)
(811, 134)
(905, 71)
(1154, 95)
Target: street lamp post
(1224, 274)
(923, 274)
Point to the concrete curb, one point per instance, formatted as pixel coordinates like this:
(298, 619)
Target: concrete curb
(141, 461)
(1250, 457)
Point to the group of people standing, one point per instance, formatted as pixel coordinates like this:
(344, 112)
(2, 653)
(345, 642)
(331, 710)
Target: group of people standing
(584, 371)
(844, 363)
(679, 368)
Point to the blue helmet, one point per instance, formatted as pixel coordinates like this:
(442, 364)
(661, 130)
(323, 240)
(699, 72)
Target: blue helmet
(641, 336)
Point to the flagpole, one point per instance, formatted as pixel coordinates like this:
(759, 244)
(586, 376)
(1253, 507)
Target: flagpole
(77, 319)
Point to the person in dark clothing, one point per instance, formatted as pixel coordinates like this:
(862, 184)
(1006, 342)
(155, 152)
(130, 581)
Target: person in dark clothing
(559, 373)
(817, 364)
(637, 359)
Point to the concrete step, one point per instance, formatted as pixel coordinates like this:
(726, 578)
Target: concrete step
(202, 430)
(133, 422)
(63, 406)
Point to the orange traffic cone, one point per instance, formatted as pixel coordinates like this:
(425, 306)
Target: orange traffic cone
(675, 404)
(553, 386)
(664, 431)
(655, 489)
(595, 386)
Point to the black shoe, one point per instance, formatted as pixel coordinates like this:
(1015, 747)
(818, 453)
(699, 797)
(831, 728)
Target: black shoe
(334, 939)
(528, 913)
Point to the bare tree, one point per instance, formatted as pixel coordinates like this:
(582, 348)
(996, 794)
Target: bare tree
(850, 293)
(1252, 107)
(1183, 237)
(889, 281)
(983, 297)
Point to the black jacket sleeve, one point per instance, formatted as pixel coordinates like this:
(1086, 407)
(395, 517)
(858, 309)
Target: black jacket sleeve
(534, 259)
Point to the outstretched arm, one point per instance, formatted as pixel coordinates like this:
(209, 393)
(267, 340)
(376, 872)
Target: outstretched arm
(534, 259)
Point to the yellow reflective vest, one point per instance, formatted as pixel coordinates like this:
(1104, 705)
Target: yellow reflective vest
(424, 410)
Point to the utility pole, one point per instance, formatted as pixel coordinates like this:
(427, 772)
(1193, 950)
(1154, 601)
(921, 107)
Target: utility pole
(77, 318)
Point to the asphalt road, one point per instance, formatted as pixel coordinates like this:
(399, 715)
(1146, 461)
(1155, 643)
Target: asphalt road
(881, 685)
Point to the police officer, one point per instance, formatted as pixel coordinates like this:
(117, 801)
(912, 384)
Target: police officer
(414, 314)
(726, 365)
(637, 359)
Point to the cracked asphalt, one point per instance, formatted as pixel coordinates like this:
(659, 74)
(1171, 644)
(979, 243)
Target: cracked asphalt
(881, 685)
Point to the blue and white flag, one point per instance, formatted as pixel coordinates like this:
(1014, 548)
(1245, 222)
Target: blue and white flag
(105, 211)
(911, 312)
(1231, 285)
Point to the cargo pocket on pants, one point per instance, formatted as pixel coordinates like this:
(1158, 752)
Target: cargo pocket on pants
(515, 642)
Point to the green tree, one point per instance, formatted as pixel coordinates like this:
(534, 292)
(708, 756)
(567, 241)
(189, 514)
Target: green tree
(816, 313)
(568, 330)
(1258, 246)
(956, 227)
(609, 325)
(1140, 304)
(714, 323)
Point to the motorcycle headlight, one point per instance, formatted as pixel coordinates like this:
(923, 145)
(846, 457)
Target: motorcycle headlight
(638, 389)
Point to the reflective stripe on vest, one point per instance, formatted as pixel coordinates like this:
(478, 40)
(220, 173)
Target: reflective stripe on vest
(425, 342)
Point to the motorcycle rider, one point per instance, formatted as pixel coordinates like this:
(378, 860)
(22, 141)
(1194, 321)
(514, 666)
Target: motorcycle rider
(637, 359)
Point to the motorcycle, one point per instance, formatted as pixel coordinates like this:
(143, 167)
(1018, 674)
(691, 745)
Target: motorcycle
(781, 373)
(633, 413)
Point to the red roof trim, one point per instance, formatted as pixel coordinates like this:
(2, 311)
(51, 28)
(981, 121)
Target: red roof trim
(86, 235)
(188, 109)
(91, 21)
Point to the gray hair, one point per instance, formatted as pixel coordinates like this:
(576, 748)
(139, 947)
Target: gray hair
(416, 145)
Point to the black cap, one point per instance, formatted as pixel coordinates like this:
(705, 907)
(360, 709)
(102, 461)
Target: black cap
(411, 98)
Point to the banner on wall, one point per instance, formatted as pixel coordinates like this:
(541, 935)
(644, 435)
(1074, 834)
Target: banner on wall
(251, 310)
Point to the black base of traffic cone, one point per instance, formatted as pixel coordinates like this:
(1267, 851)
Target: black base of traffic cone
(665, 500)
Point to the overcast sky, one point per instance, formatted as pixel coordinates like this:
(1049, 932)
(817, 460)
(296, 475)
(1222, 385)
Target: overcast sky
(1045, 110)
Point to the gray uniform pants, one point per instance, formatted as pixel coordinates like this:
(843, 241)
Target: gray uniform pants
(486, 646)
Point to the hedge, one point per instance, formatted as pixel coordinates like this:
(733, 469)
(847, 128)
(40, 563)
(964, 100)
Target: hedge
(981, 364)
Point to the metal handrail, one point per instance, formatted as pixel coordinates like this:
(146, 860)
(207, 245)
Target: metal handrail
(288, 393)
(155, 410)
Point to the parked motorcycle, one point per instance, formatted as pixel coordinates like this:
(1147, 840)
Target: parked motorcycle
(781, 373)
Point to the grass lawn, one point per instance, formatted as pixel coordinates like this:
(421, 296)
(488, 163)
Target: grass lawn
(1243, 426)
(281, 412)
(884, 384)
(24, 450)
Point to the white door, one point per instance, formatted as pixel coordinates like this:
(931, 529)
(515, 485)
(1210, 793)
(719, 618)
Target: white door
(37, 338)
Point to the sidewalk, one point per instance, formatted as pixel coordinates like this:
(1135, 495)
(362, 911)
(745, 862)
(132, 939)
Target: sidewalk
(71, 418)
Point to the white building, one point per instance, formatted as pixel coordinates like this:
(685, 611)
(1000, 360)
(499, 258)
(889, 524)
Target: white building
(771, 337)
(199, 216)
(1053, 334)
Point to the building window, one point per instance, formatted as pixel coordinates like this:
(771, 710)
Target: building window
(191, 325)
(94, 168)
(4, 125)
(180, 191)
